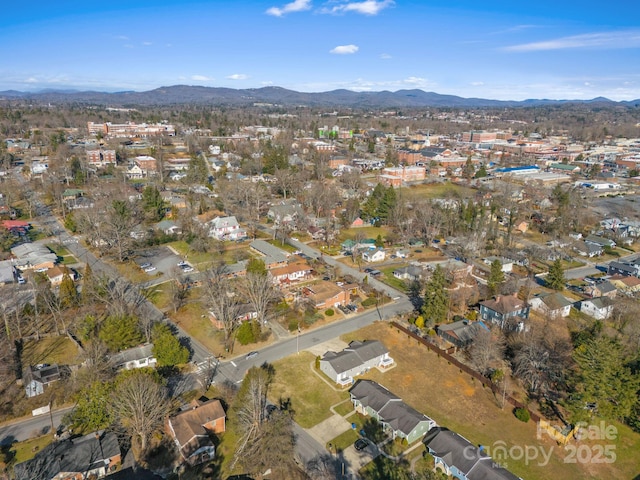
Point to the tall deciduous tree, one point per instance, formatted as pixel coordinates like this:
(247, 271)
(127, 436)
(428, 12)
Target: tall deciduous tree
(139, 405)
(222, 302)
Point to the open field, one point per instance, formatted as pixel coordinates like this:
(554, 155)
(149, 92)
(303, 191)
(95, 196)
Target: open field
(440, 190)
(49, 350)
(456, 401)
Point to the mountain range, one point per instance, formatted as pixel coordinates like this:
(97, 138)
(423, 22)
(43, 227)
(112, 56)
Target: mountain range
(215, 96)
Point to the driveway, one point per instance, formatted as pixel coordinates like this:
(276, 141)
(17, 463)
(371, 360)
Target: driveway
(329, 429)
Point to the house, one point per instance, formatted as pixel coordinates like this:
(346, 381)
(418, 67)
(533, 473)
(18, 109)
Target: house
(168, 227)
(373, 255)
(226, 228)
(603, 242)
(56, 274)
(39, 376)
(602, 288)
(506, 265)
(599, 308)
(553, 305)
(457, 457)
(410, 272)
(286, 213)
(33, 256)
(136, 357)
(272, 256)
(7, 272)
(396, 417)
(245, 313)
(326, 294)
(191, 430)
(134, 172)
(590, 250)
(461, 333)
(620, 268)
(94, 455)
(356, 359)
(294, 272)
(625, 284)
(506, 311)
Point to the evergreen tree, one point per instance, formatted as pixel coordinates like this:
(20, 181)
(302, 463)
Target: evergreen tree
(604, 379)
(256, 265)
(481, 173)
(555, 278)
(167, 347)
(68, 294)
(152, 203)
(496, 277)
(119, 332)
(436, 298)
(91, 410)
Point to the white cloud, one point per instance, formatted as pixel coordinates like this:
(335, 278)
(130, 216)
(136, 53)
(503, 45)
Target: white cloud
(238, 76)
(608, 40)
(121, 37)
(201, 78)
(295, 6)
(385, 56)
(476, 84)
(31, 80)
(345, 49)
(415, 80)
(367, 7)
(146, 44)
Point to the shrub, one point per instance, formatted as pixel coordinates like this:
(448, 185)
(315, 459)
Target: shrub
(368, 302)
(522, 414)
(329, 312)
(318, 362)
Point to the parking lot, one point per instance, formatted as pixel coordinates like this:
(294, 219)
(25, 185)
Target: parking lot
(162, 258)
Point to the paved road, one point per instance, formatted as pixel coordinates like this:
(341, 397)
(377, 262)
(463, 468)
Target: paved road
(24, 429)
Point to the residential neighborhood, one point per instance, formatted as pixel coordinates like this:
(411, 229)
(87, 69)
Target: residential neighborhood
(282, 295)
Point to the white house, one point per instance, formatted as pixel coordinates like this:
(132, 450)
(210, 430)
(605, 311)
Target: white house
(356, 359)
(226, 228)
(134, 172)
(137, 357)
(505, 263)
(552, 304)
(599, 308)
(373, 255)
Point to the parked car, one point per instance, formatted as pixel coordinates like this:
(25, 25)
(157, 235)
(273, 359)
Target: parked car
(145, 265)
(361, 444)
(187, 268)
(252, 355)
(182, 263)
(150, 269)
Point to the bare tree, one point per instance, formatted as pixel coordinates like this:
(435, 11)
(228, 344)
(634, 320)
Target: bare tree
(259, 289)
(140, 405)
(487, 351)
(222, 302)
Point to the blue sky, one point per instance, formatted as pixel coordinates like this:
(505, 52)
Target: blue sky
(506, 50)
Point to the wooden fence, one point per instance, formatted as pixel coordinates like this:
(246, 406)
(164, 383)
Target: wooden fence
(464, 368)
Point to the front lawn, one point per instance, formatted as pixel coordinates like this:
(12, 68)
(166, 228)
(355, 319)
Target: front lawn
(59, 349)
(310, 396)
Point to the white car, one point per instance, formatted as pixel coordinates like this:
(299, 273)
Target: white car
(150, 269)
(187, 268)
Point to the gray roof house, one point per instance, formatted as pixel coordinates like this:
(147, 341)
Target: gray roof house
(396, 417)
(410, 272)
(604, 242)
(272, 255)
(552, 304)
(459, 458)
(461, 333)
(136, 357)
(355, 360)
(92, 456)
(39, 376)
(6, 272)
(599, 308)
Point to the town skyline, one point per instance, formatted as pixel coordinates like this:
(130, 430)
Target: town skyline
(499, 51)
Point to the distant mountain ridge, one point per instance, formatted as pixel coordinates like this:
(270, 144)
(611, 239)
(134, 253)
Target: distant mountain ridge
(218, 96)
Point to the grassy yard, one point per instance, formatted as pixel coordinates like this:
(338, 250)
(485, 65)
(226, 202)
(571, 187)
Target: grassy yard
(49, 350)
(392, 281)
(312, 397)
(440, 190)
(454, 400)
(364, 232)
(23, 451)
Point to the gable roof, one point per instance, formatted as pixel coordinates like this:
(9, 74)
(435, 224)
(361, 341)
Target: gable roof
(189, 426)
(371, 394)
(463, 330)
(356, 354)
(554, 301)
(504, 304)
(81, 454)
(131, 354)
(457, 451)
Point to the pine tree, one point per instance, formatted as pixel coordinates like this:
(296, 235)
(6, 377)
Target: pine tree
(436, 298)
(496, 277)
(68, 294)
(167, 348)
(555, 278)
